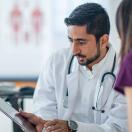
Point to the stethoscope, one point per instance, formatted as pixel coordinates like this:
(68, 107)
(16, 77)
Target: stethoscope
(95, 108)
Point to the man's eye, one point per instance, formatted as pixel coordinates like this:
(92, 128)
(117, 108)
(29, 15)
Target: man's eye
(82, 42)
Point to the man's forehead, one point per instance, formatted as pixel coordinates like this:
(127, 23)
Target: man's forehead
(78, 32)
(76, 28)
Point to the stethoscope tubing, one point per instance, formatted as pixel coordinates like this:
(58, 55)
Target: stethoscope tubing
(111, 73)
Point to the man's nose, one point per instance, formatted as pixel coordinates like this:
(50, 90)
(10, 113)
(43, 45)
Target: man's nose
(75, 49)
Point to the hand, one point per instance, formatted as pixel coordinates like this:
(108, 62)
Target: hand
(33, 119)
(56, 126)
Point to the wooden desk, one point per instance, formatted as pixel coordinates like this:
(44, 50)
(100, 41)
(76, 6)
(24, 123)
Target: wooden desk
(26, 83)
(19, 84)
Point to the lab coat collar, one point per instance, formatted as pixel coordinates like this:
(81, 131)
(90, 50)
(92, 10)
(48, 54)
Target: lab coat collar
(72, 87)
(103, 64)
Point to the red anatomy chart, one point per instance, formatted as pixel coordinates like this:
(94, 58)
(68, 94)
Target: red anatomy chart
(17, 18)
(37, 21)
(16, 21)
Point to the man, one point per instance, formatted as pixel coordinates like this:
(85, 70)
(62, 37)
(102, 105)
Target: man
(72, 93)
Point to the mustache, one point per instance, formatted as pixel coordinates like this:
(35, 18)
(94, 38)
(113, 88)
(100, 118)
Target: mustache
(79, 55)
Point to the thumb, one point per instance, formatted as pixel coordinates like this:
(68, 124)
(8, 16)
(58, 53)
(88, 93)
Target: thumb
(40, 128)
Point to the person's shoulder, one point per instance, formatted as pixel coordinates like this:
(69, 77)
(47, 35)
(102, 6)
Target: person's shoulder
(128, 58)
(129, 55)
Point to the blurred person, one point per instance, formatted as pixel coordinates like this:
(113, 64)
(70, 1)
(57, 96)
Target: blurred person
(75, 90)
(124, 80)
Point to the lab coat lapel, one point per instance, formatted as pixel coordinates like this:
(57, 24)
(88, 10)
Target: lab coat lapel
(106, 90)
(108, 82)
(72, 81)
(102, 93)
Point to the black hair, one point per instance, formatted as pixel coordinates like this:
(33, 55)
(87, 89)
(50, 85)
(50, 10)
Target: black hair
(93, 16)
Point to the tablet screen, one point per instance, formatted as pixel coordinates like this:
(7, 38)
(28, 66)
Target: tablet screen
(9, 111)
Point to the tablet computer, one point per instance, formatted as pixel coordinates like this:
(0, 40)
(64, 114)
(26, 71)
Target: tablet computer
(9, 111)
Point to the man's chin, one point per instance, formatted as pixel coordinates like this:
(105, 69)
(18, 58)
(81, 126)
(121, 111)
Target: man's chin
(85, 63)
(82, 63)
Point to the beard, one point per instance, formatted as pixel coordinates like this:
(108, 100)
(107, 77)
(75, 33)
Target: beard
(90, 60)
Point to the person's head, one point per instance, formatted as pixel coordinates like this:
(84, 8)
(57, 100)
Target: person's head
(88, 31)
(124, 25)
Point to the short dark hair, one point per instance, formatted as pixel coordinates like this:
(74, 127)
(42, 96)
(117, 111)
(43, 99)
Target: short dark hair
(93, 16)
(124, 26)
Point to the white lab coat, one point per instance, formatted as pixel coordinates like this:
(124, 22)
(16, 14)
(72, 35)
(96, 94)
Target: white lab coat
(82, 95)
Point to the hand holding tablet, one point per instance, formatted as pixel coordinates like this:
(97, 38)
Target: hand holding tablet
(9, 111)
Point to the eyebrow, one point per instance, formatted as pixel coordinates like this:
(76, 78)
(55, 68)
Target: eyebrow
(78, 39)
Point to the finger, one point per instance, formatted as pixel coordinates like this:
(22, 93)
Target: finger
(32, 118)
(36, 120)
(26, 115)
(58, 130)
(53, 128)
(39, 128)
(50, 123)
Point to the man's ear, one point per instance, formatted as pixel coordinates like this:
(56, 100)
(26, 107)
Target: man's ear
(104, 41)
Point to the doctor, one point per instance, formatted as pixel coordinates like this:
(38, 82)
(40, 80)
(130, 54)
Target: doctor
(75, 89)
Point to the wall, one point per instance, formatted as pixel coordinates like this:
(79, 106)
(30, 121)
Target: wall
(24, 47)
